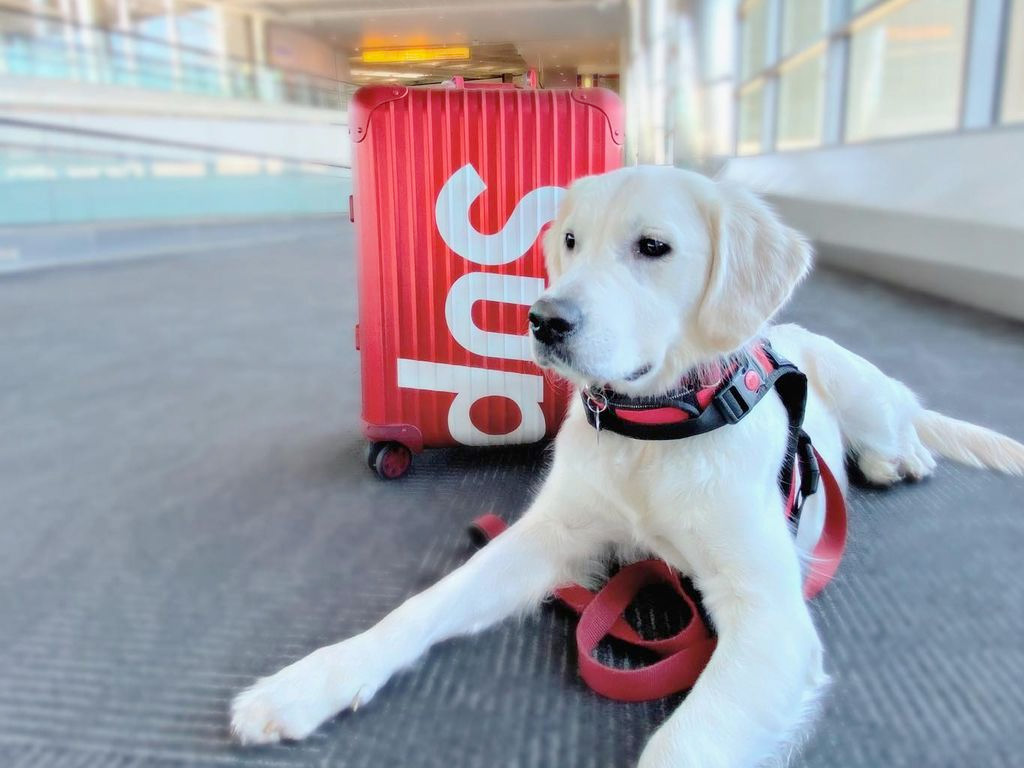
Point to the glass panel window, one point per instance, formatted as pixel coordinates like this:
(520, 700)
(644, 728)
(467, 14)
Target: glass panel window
(1013, 86)
(751, 114)
(906, 69)
(801, 100)
(803, 23)
(719, 110)
(716, 29)
(198, 27)
(755, 35)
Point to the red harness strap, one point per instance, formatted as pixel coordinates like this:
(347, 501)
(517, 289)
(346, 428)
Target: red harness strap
(684, 655)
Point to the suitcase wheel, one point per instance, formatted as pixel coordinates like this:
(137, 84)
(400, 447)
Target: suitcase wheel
(389, 460)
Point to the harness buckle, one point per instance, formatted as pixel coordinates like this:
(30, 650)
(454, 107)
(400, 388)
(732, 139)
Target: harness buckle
(810, 472)
(734, 402)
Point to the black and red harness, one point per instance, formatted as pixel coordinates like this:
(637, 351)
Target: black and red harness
(704, 402)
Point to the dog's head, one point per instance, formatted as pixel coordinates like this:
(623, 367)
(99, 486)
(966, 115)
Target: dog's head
(655, 270)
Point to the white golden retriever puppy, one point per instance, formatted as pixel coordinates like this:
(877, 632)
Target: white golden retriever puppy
(656, 272)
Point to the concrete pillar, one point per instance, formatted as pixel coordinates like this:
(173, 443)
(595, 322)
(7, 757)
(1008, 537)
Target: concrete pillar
(171, 22)
(221, 31)
(259, 39)
(97, 56)
(127, 72)
(661, 83)
(688, 123)
(264, 85)
(70, 37)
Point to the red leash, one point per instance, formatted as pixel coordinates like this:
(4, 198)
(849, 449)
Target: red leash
(828, 551)
(684, 655)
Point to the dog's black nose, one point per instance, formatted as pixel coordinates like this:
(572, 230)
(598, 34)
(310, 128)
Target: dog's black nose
(551, 320)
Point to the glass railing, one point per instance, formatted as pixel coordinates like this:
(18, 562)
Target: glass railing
(44, 47)
(52, 175)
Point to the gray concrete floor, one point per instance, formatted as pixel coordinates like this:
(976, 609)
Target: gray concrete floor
(184, 506)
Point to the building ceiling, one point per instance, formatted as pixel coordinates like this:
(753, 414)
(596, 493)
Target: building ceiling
(504, 37)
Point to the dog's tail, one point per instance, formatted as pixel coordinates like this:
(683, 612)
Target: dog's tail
(969, 443)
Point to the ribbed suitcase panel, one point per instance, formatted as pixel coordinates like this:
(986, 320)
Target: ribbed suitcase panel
(453, 187)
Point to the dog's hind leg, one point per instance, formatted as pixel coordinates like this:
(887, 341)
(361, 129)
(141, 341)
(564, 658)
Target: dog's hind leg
(876, 413)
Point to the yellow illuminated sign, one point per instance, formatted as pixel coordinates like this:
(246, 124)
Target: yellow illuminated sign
(400, 55)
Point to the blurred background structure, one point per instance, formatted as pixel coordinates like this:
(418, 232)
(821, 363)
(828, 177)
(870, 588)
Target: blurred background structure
(889, 131)
(184, 503)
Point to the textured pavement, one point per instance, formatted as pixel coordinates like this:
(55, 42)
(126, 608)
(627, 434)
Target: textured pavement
(184, 505)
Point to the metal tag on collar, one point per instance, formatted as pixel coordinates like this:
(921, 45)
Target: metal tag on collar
(597, 403)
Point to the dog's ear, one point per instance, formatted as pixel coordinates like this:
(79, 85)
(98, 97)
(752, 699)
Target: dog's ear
(551, 245)
(756, 262)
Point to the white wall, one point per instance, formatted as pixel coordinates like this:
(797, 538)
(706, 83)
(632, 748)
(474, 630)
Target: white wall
(943, 214)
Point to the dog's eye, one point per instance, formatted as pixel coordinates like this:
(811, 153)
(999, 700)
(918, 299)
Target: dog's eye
(570, 240)
(652, 248)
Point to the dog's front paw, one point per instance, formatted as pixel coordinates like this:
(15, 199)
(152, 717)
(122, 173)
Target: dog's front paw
(291, 704)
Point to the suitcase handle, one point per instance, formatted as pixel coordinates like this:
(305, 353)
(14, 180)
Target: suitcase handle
(458, 81)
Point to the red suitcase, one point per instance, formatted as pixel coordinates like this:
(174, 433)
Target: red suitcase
(453, 186)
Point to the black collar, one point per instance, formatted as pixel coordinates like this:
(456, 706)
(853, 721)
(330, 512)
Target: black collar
(695, 407)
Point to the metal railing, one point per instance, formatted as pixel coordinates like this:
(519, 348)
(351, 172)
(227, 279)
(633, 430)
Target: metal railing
(46, 47)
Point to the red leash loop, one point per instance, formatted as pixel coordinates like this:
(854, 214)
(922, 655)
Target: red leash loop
(684, 655)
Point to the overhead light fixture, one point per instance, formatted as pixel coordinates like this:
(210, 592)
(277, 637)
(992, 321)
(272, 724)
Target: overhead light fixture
(402, 55)
(387, 74)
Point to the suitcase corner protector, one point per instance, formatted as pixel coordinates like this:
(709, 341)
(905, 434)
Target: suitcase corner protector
(608, 103)
(365, 101)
